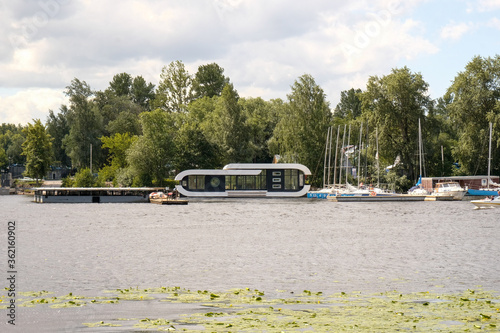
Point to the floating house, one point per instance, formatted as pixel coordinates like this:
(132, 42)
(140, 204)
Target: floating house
(246, 180)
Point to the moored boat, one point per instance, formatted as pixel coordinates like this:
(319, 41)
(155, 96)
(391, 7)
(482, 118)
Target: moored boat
(483, 192)
(170, 198)
(449, 188)
(489, 202)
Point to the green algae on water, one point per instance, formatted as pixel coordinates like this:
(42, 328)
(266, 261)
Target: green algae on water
(253, 310)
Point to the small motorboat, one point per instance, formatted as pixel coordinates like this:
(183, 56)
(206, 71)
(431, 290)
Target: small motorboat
(488, 202)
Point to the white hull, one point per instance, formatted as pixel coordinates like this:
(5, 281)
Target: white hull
(450, 188)
(487, 203)
(457, 195)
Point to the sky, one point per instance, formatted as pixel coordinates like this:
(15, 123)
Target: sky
(263, 45)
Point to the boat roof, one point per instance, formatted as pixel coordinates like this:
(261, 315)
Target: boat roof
(252, 166)
(247, 169)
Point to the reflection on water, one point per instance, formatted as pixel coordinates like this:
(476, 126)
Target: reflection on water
(267, 244)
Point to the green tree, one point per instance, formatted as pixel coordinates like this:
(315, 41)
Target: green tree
(15, 148)
(174, 91)
(194, 150)
(85, 178)
(86, 126)
(261, 124)
(11, 140)
(299, 136)
(151, 156)
(393, 104)
(58, 128)
(226, 128)
(209, 81)
(117, 146)
(38, 150)
(125, 122)
(474, 102)
(121, 84)
(142, 93)
(349, 107)
(120, 115)
(4, 160)
(439, 138)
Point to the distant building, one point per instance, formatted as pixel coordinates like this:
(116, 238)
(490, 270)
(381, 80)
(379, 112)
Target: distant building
(16, 171)
(468, 182)
(57, 173)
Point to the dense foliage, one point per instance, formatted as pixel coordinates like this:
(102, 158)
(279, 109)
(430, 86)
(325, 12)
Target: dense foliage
(142, 135)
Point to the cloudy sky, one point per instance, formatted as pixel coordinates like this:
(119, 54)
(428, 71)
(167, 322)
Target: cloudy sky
(263, 45)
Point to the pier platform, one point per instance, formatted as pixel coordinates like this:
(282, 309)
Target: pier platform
(383, 198)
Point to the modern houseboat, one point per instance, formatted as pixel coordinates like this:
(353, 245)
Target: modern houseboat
(92, 194)
(246, 180)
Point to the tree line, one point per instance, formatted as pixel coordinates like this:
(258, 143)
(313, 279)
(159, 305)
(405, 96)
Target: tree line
(142, 134)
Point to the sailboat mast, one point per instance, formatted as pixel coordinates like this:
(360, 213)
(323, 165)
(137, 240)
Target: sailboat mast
(326, 155)
(342, 155)
(335, 164)
(346, 157)
(378, 164)
(330, 155)
(489, 156)
(420, 147)
(359, 152)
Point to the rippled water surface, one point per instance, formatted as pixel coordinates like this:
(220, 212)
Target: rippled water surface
(267, 244)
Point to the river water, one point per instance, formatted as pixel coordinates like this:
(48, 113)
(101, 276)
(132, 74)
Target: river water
(266, 244)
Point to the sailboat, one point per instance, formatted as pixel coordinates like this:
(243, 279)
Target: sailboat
(447, 189)
(492, 189)
(418, 189)
(327, 189)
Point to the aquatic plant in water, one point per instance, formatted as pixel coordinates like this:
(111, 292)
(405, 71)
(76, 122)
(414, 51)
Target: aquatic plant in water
(251, 310)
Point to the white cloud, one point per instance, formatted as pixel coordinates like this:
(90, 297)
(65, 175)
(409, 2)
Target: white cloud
(23, 106)
(263, 46)
(487, 5)
(455, 31)
(494, 23)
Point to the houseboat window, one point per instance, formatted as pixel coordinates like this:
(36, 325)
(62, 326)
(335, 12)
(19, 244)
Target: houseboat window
(276, 173)
(249, 182)
(230, 182)
(276, 186)
(196, 182)
(215, 182)
(291, 179)
(260, 180)
(257, 182)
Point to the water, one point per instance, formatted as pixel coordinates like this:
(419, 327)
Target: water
(266, 244)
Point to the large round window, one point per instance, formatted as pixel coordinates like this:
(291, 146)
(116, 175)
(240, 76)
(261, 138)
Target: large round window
(215, 182)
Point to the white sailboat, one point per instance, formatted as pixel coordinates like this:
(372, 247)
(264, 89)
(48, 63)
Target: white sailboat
(418, 189)
(492, 188)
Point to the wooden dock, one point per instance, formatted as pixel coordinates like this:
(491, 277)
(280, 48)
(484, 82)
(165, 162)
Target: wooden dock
(384, 198)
